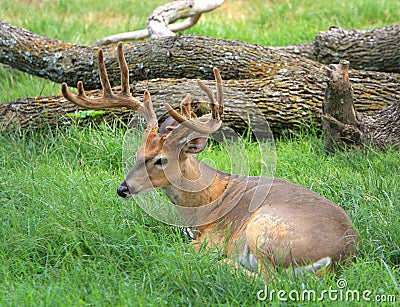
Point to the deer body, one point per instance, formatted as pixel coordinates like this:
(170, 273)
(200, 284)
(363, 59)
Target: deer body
(288, 224)
(292, 226)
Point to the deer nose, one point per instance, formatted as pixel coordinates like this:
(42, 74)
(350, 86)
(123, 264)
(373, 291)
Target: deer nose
(123, 190)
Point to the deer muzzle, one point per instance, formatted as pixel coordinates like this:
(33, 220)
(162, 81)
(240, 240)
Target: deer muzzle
(123, 190)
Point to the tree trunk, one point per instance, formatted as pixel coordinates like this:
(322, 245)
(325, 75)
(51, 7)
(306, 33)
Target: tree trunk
(187, 56)
(286, 88)
(287, 104)
(375, 49)
(343, 126)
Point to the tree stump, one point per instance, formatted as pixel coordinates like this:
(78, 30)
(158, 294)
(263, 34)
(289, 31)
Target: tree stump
(343, 126)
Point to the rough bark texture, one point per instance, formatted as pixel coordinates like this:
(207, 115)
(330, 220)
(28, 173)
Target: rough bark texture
(343, 126)
(286, 88)
(285, 102)
(375, 49)
(186, 56)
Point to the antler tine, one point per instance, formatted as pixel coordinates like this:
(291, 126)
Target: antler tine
(147, 111)
(216, 106)
(220, 94)
(185, 107)
(108, 99)
(105, 82)
(205, 124)
(211, 98)
(185, 110)
(174, 114)
(125, 89)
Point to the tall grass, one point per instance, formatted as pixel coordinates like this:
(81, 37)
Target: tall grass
(67, 240)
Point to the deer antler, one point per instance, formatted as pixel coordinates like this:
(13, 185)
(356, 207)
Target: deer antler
(108, 99)
(204, 124)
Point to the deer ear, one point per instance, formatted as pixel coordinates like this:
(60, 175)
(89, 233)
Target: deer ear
(195, 145)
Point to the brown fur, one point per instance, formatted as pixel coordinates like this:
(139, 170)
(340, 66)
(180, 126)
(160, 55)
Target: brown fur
(292, 226)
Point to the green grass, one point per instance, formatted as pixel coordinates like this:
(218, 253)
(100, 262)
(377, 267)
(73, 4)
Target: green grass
(66, 239)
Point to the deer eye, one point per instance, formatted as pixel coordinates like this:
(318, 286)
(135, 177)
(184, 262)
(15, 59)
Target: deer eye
(160, 162)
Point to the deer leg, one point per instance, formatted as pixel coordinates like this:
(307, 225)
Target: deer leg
(268, 240)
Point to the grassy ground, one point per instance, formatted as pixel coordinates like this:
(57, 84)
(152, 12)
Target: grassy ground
(67, 240)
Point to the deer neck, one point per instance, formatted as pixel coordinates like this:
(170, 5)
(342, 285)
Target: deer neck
(208, 184)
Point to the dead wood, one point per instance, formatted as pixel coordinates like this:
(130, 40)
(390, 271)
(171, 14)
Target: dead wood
(374, 49)
(344, 126)
(187, 56)
(161, 21)
(287, 88)
(286, 103)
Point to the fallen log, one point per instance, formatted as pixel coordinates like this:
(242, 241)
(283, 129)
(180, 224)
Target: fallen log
(287, 103)
(187, 56)
(373, 49)
(288, 89)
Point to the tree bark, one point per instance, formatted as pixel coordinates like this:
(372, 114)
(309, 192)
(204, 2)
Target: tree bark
(375, 49)
(343, 126)
(286, 103)
(187, 56)
(286, 88)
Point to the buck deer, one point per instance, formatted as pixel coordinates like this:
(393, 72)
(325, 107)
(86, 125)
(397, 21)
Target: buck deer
(291, 227)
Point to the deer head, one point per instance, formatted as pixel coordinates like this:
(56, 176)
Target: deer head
(162, 159)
